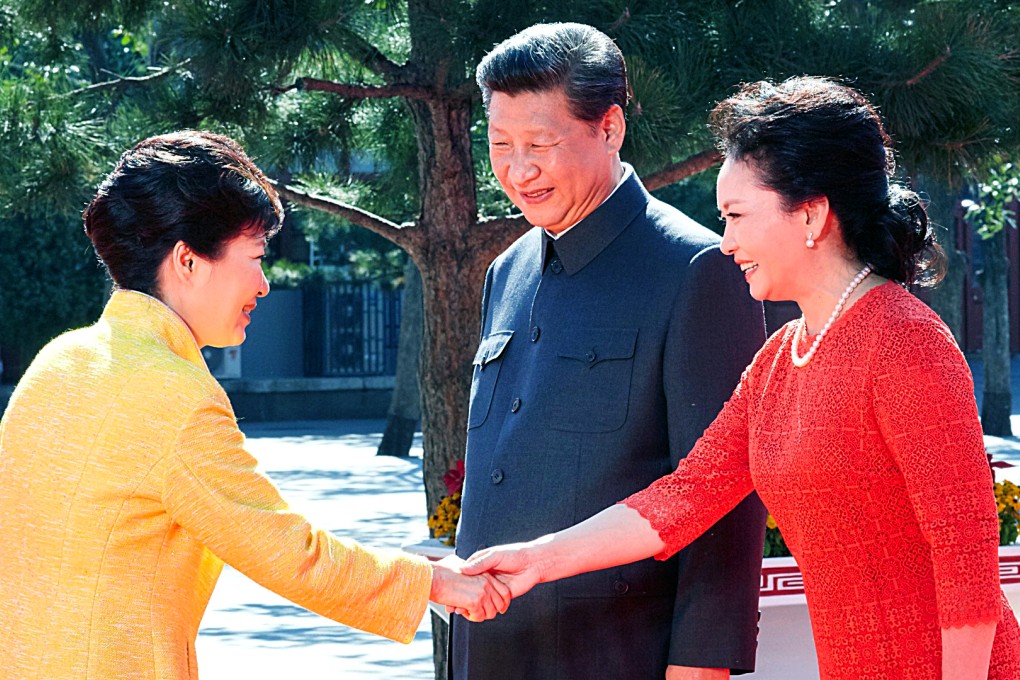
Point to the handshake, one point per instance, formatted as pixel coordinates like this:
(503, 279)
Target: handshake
(482, 586)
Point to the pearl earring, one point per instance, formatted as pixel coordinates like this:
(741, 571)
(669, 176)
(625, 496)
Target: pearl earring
(810, 243)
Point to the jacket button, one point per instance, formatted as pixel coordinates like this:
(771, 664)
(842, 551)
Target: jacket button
(496, 476)
(621, 587)
(556, 266)
(590, 356)
(534, 333)
(516, 405)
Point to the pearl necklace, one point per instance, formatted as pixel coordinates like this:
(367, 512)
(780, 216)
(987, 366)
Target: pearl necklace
(801, 362)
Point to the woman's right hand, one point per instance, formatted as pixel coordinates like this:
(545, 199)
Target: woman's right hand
(514, 565)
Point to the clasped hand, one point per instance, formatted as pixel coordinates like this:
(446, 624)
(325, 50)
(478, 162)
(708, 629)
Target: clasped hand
(476, 596)
(483, 586)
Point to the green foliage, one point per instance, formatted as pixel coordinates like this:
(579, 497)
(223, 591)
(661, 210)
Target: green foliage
(944, 75)
(990, 212)
(283, 273)
(56, 146)
(775, 544)
(51, 282)
(384, 267)
(696, 197)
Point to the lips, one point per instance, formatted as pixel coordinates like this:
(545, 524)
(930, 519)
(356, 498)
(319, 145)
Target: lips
(534, 196)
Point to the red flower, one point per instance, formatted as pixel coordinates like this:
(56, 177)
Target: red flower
(454, 479)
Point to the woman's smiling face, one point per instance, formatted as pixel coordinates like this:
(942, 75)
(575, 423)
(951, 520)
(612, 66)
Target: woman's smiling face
(219, 307)
(765, 240)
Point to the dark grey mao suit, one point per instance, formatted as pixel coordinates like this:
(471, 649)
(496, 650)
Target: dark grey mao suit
(603, 357)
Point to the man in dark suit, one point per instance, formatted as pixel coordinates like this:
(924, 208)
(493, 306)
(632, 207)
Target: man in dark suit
(611, 336)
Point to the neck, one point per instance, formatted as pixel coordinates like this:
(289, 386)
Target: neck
(598, 196)
(818, 303)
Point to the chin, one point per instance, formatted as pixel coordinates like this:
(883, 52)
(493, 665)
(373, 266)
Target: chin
(760, 296)
(539, 218)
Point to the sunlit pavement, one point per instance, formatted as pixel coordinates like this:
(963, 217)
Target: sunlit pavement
(330, 472)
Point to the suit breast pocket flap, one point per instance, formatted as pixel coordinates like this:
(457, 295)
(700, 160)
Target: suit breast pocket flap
(486, 371)
(591, 380)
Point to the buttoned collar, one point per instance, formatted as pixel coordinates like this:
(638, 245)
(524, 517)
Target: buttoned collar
(139, 314)
(583, 242)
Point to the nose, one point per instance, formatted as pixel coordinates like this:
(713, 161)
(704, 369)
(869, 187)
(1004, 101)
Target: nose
(264, 288)
(729, 241)
(522, 169)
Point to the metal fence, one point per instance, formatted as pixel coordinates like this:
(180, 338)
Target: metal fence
(351, 329)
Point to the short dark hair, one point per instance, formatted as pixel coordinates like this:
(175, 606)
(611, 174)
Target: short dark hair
(196, 187)
(809, 137)
(582, 61)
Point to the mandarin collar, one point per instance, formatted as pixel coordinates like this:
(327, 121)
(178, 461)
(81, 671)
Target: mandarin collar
(144, 315)
(589, 237)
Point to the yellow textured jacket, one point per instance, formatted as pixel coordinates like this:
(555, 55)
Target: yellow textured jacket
(125, 485)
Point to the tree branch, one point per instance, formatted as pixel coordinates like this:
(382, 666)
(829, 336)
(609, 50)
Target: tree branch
(128, 81)
(509, 223)
(403, 235)
(351, 91)
(931, 67)
(368, 54)
(688, 167)
(500, 233)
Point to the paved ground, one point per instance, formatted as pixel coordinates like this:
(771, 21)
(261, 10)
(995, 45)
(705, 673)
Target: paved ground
(1005, 449)
(329, 470)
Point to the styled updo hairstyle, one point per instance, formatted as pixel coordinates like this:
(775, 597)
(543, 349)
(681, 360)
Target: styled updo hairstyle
(196, 187)
(809, 137)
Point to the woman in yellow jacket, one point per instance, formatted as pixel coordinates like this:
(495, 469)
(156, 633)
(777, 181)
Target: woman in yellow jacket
(124, 481)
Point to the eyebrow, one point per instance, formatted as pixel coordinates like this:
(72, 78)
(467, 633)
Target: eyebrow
(533, 130)
(729, 204)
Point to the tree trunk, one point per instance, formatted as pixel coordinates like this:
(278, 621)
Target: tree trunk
(452, 265)
(947, 298)
(405, 405)
(451, 250)
(453, 271)
(996, 400)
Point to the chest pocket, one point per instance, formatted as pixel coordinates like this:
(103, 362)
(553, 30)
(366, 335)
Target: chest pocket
(487, 362)
(590, 380)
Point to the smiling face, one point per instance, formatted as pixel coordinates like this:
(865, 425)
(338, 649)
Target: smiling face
(765, 240)
(216, 297)
(555, 168)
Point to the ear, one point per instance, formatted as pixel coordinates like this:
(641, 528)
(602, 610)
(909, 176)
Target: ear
(612, 128)
(182, 267)
(819, 220)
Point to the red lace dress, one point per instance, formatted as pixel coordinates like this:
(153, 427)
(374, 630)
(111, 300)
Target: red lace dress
(871, 460)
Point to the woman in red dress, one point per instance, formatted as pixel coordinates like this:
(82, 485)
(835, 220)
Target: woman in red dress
(856, 423)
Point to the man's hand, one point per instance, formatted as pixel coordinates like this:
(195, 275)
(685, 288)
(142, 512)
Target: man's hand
(478, 598)
(686, 673)
(513, 565)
